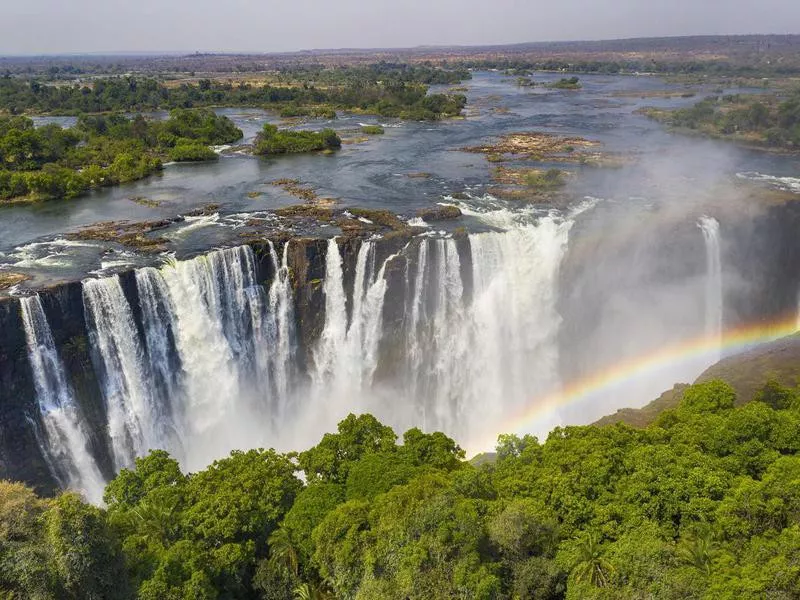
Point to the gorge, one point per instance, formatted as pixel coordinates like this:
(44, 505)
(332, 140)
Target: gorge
(272, 342)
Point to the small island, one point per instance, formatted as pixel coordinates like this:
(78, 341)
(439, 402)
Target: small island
(272, 140)
(573, 83)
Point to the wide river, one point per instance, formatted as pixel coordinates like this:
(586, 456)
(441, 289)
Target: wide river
(376, 173)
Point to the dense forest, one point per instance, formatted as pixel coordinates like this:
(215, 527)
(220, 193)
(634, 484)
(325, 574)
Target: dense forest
(394, 91)
(704, 503)
(54, 162)
(766, 119)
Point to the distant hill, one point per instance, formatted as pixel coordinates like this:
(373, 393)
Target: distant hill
(780, 53)
(746, 372)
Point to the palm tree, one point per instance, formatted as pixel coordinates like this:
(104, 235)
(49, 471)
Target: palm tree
(590, 566)
(283, 550)
(306, 591)
(698, 550)
(155, 520)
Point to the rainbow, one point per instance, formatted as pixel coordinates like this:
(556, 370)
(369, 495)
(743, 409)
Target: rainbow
(544, 409)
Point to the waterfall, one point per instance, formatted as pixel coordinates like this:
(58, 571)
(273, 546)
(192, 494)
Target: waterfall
(347, 354)
(334, 332)
(209, 360)
(215, 311)
(513, 314)
(479, 336)
(272, 315)
(281, 315)
(471, 360)
(124, 377)
(159, 325)
(66, 438)
(710, 228)
(449, 332)
(417, 314)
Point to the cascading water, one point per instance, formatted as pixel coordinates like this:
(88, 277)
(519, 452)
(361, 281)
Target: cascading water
(272, 316)
(281, 316)
(334, 333)
(710, 229)
(124, 374)
(474, 357)
(202, 366)
(347, 354)
(213, 364)
(159, 325)
(217, 317)
(65, 436)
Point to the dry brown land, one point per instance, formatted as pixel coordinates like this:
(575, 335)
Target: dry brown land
(8, 280)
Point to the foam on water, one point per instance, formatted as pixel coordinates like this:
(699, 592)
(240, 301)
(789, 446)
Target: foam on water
(790, 184)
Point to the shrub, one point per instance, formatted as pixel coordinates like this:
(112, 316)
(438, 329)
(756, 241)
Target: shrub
(190, 151)
(272, 140)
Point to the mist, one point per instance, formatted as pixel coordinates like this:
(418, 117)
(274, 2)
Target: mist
(638, 277)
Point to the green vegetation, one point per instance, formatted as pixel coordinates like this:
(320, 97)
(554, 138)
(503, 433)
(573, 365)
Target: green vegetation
(294, 110)
(384, 89)
(766, 120)
(51, 162)
(547, 180)
(573, 83)
(703, 503)
(272, 140)
(191, 151)
(372, 129)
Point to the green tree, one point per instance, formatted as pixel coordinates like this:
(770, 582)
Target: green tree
(331, 459)
(590, 565)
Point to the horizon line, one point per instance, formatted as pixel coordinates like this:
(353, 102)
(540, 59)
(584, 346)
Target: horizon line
(365, 49)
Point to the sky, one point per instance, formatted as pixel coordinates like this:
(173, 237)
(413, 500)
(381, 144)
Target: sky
(78, 26)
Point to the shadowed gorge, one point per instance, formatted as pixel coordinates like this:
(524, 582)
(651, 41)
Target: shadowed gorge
(271, 342)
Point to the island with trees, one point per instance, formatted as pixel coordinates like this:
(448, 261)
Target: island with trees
(52, 162)
(272, 140)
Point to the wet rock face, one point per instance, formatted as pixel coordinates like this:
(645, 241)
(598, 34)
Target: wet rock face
(20, 457)
(766, 253)
(612, 287)
(306, 262)
(63, 306)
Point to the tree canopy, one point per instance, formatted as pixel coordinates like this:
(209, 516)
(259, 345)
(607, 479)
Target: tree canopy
(703, 503)
(54, 162)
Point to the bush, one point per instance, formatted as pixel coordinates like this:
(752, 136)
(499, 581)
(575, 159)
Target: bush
(552, 178)
(190, 151)
(372, 129)
(272, 140)
(573, 83)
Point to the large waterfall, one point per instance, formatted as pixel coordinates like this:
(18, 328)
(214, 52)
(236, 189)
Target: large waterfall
(203, 356)
(710, 229)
